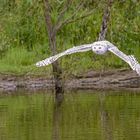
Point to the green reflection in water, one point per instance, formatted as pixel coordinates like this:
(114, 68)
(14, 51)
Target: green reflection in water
(82, 116)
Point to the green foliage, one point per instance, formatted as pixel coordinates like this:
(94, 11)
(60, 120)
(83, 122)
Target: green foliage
(21, 61)
(23, 38)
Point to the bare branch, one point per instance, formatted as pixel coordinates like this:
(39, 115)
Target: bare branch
(106, 18)
(78, 7)
(78, 18)
(48, 17)
(66, 6)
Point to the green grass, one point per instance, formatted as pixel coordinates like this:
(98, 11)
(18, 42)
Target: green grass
(20, 61)
(24, 41)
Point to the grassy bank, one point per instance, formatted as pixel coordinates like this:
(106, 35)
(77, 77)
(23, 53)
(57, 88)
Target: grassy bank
(23, 38)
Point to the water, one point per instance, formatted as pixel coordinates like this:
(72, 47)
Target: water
(82, 116)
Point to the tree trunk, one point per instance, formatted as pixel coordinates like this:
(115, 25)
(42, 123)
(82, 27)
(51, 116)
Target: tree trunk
(57, 73)
(105, 21)
(59, 89)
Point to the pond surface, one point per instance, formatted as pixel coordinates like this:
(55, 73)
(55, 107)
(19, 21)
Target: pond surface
(82, 116)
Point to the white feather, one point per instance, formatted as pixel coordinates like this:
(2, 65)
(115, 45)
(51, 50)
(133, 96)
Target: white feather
(99, 47)
(47, 61)
(130, 59)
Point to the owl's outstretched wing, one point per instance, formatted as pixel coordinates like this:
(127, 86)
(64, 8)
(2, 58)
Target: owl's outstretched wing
(130, 59)
(47, 61)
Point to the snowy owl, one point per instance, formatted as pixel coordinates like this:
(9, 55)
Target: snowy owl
(99, 47)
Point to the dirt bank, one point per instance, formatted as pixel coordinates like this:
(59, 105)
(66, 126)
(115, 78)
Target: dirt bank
(112, 79)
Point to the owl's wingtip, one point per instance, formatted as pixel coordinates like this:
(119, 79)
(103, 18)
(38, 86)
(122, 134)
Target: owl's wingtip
(137, 68)
(38, 64)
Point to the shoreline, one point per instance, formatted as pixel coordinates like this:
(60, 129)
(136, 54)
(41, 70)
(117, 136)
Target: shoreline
(122, 79)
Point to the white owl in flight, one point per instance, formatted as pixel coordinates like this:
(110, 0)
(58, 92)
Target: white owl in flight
(99, 47)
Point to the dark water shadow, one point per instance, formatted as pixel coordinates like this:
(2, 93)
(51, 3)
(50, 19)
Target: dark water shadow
(107, 130)
(57, 113)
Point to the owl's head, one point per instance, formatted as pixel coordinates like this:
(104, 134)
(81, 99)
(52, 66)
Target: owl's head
(99, 47)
